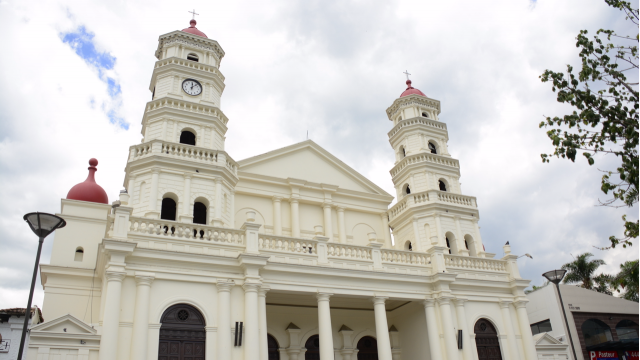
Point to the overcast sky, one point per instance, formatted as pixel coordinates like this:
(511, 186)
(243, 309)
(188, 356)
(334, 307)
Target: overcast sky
(74, 80)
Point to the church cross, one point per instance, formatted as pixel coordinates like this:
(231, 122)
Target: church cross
(194, 14)
(406, 72)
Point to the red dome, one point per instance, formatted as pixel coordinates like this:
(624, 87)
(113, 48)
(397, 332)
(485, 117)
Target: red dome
(411, 90)
(193, 30)
(89, 190)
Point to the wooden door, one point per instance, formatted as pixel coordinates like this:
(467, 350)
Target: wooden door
(182, 334)
(313, 348)
(367, 348)
(487, 341)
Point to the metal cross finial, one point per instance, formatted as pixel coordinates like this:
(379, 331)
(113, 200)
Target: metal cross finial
(194, 14)
(406, 72)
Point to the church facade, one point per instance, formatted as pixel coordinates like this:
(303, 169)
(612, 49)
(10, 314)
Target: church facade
(285, 255)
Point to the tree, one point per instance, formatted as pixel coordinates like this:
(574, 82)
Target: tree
(627, 280)
(536, 288)
(582, 270)
(606, 120)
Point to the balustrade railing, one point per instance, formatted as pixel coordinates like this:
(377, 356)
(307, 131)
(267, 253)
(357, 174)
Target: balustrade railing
(405, 257)
(456, 199)
(188, 107)
(349, 251)
(286, 244)
(431, 123)
(418, 158)
(173, 229)
(475, 263)
(189, 63)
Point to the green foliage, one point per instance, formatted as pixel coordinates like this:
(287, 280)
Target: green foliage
(582, 271)
(606, 119)
(536, 288)
(626, 281)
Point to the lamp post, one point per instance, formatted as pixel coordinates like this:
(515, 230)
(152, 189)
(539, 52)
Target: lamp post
(42, 224)
(555, 276)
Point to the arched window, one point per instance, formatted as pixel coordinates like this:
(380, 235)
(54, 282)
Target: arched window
(432, 148)
(448, 245)
(627, 330)
(442, 185)
(272, 345)
(407, 189)
(424, 114)
(313, 348)
(367, 348)
(192, 57)
(168, 210)
(79, 254)
(182, 334)
(407, 246)
(595, 332)
(404, 152)
(200, 213)
(471, 245)
(188, 138)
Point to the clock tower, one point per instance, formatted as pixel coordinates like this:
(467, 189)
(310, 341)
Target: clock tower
(183, 131)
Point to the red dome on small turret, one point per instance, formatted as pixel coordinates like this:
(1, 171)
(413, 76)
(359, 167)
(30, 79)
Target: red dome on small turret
(89, 190)
(411, 90)
(193, 30)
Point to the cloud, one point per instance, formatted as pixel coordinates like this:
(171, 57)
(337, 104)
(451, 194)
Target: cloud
(75, 75)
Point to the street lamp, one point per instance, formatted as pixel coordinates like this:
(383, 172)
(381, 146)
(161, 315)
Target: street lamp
(555, 276)
(42, 224)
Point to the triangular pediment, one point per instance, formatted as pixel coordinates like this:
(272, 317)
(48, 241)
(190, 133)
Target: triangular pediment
(310, 162)
(65, 324)
(545, 339)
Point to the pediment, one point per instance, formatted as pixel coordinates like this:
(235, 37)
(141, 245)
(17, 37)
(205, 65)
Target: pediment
(546, 339)
(310, 162)
(65, 324)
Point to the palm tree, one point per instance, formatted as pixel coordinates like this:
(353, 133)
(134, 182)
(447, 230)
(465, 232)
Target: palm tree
(627, 279)
(582, 270)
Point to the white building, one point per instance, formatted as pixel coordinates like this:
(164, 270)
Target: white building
(285, 255)
(597, 322)
(11, 325)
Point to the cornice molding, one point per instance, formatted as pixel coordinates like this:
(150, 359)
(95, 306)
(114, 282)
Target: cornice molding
(185, 38)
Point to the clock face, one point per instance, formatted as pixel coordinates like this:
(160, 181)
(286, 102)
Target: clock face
(192, 87)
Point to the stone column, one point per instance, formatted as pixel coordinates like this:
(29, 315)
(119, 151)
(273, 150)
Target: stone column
(153, 197)
(187, 211)
(525, 330)
(111, 317)
(277, 215)
(508, 327)
(141, 316)
(462, 249)
(262, 313)
(328, 230)
(341, 226)
(324, 326)
(295, 217)
(382, 329)
(224, 318)
(417, 246)
(385, 229)
(467, 353)
(217, 221)
(432, 329)
(251, 321)
(448, 328)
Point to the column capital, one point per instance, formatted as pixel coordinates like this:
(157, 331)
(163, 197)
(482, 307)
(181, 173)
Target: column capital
(155, 171)
(225, 285)
(377, 300)
(323, 296)
(429, 302)
(251, 286)
(187, 176)
(276, 198)
(263, 290)
(445, 300)
(144, 279)
(521, 303)
(326, 204)
(294, 200)
(115, 275)
(218, 180)
(460, 301)
(504, 303)
(340, 208)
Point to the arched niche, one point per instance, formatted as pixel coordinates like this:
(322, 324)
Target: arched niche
(182, 333)
(313, 348)
(169, 207)
(408, 246)
(241, 218)
(360, 233)
(273, 346)
(367, 348)
(471, 245)
(451, 243)
(188, 136)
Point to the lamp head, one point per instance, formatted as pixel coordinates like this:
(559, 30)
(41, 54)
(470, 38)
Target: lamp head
(43, 224)
(555, 276)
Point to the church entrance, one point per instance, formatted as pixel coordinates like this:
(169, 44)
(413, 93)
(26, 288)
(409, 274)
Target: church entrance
(182, 334)
(487, 340)
(313, 348)
(367, 348)
(272, 345)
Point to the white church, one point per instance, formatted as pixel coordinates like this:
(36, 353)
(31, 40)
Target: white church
(285, 255)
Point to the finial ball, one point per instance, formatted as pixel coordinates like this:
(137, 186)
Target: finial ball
(93, 162)
(408, 82)
(193, 22)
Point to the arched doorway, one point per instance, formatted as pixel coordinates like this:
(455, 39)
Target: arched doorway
(313, 348)
(182, 335)
(367, 348)
(487, 341)
(272, 345)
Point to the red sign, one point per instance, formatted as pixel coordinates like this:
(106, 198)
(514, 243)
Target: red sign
(631, 355)
(604, 355)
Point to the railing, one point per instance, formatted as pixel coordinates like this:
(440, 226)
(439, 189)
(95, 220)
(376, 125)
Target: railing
(173, 229)
(456, 199)
(426, 157)
(425, 197)
(190, 152)
(187, 106)
(398, 208)
(405, 257)
(189, 63)
(349, 251)
(286, 244)
(474, 263)
(415, 121)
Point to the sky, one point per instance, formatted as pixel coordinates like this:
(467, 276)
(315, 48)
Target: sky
(74, 81)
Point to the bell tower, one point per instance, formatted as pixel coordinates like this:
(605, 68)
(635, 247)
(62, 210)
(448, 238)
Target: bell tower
(180, 171)
(431, 209)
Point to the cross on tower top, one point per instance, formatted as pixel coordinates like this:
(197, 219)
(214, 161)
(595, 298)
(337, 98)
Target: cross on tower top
(194, 14)
(406, 72)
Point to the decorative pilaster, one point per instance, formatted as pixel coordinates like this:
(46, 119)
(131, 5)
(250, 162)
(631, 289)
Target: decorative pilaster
(382, 328)
(295, 217)
(153, 196)
(324, 326)
(141, 315)
(385, 229)
(277, 214)
(251, 320)
(525, 329)
(511, 335)
(462, 249)
(448, 328)
(262, 313)
(224, 318)
(467, 354)
(432, 329)
(328, 230)
(416, 236)
(111, 320)
(217, 220)
(342, 232)
(251, 233)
